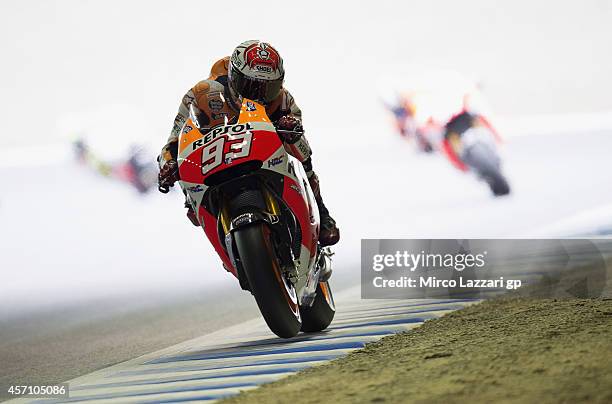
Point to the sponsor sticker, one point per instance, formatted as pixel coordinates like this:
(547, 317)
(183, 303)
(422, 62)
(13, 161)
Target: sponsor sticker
(244, 218)
(220, 131)
(296, 188)
(263, 68)
(215, 104)
(236, 59)
(275, 161)
(220, 115)
(187, 99)
(196, 188)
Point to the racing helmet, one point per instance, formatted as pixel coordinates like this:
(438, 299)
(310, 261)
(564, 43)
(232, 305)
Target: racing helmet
(256, 71)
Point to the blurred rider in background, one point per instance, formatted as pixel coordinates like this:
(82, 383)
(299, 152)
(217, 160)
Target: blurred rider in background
(404, 112)
(137, 169)
(254, 71)
(454, 130)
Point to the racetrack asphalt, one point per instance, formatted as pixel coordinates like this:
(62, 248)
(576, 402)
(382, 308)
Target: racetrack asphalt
(61, 343)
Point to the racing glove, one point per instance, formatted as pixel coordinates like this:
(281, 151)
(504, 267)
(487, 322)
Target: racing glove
(289, 128)
(291, 132)
(168, 175)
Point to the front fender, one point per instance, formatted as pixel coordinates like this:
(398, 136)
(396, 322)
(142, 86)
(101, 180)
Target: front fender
(248, 218)
(254, 216)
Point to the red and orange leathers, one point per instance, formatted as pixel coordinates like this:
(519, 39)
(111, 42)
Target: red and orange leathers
(214, 104)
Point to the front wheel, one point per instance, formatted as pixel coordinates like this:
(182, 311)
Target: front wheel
(483, 158)
(274, 294)
(318, 316)
(498, 183)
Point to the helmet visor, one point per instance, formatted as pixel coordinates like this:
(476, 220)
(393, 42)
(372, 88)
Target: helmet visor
(260, 90)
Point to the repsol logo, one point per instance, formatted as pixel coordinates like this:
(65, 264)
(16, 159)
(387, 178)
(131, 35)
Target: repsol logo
(223, 130)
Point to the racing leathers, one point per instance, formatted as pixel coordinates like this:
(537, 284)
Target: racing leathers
(214, 103)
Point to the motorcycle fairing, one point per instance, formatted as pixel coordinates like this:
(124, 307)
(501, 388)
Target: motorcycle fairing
(252, 139)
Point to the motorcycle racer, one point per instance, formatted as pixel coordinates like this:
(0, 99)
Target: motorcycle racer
(254, 71)
(406, 123)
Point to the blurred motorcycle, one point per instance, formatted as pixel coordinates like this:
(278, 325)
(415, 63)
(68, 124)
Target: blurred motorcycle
(470, 144)
(139, 169)
(257, 209)
(480, 154)
(404, 114)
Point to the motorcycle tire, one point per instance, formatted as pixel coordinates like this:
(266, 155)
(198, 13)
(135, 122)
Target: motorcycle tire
(318, 316)
(486, 163)
(274, 294)
(498, 183)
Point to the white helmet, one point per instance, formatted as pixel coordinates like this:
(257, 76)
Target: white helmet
(256, 71)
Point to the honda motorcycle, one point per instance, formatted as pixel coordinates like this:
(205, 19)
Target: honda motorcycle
(257, 209)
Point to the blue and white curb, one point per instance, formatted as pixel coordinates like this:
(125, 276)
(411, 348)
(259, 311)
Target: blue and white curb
(244, 356)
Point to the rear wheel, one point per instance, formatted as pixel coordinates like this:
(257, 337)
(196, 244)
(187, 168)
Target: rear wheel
(318, 316)
(274, 294)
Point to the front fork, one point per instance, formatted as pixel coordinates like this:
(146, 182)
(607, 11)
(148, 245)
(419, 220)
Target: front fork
(271, 216)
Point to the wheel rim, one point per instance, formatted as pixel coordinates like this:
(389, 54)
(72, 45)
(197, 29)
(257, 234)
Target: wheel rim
(287, 287)
(288, 292)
